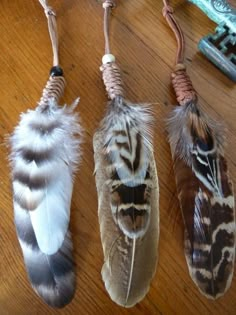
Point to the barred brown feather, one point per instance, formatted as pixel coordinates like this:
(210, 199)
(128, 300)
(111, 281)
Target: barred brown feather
(127, 188)
(206, 198)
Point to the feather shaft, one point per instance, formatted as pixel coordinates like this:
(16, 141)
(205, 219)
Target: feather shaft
(131, 269)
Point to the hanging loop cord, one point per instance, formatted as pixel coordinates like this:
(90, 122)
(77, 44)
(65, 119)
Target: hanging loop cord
(55, 86)
(52, 28)
(110, 71)
(181, 82)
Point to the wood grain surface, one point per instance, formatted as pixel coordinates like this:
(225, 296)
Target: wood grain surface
(145, 50)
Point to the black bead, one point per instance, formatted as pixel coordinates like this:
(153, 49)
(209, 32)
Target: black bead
(56, 71)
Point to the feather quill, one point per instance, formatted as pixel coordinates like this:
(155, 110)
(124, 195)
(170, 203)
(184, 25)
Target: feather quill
(203, 184)
(128, 197)
(45, 152)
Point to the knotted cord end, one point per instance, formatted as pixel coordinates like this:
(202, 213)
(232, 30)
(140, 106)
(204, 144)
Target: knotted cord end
(112, 79)
(54, 89)
(47, 9)
(109, 4)
(182, 85)
(167, 10)
(49, 12)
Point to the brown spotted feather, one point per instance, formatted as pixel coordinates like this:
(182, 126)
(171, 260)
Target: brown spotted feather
(206, 198)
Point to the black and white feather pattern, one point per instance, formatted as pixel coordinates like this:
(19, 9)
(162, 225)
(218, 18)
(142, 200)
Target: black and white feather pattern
(128, 145)
(45, 152)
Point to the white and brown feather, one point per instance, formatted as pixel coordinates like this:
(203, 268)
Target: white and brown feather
(127, 188)
(206, 197)
(44, 157)
(51, 276)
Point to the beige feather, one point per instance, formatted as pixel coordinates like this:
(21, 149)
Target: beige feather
(129, 262)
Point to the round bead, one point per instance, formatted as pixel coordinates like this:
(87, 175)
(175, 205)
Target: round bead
(108, 58)
(56, 71)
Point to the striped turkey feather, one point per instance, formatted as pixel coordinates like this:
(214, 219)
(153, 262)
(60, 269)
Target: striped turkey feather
(44, 157)
(128, 197)
(206, 198)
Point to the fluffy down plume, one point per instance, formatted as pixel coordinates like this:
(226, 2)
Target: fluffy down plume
(44, 157)
(128, 196)
(206, 198)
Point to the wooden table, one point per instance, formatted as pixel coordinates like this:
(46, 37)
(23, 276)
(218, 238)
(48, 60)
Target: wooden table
(145, 49)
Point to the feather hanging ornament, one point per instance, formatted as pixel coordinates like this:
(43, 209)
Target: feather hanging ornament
(204, 188)
(127, 186)
(44, 157)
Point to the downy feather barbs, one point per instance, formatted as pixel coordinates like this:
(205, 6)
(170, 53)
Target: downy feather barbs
(128, 197)
(44, 157)
(206, 198)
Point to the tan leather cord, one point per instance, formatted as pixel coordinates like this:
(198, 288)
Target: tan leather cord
(110, 71)
(168, 14)
(52, 27)
(181, 82)
(107, 6)
(55, 86)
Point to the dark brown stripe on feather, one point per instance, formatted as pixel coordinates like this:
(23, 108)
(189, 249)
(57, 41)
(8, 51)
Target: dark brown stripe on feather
(133, 166)
(137, 194)
(49, 271)
(121, 145)
(225, 183)
(133, 220)
(217, 284)
(133, 213)
(39, 157)
(188, 187)
(58, 266)
(127, 162)
(45, 129)
(200, 233)
(129, 137)
(34, 183)
(119, 132)
(211, 259)
(138, 152)
(25, 230)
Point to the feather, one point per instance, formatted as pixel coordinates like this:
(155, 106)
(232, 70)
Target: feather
(206, 198)
(128, 197)
(44, 157)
